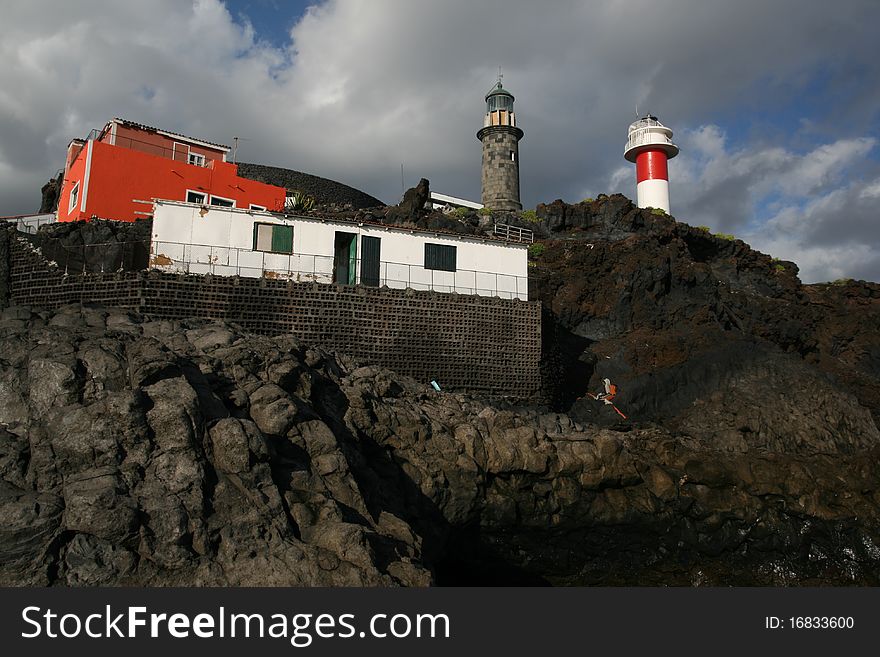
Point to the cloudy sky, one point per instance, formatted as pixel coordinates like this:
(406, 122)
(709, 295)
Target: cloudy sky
(774, 103)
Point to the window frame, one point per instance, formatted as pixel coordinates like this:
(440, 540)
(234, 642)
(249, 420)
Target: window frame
(221, 198)
(435, 262)
(273, 226)
(196, 156)
(204, 196)
(74, 198)
(254, 206)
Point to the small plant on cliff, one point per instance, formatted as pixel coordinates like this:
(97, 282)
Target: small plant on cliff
(725, 236)
(660, 212)
(842, 281)
(536, 250)
(588, 200)
(779, 267)
(530, 215)
(461, 213)
(485, 211)
(705, 229)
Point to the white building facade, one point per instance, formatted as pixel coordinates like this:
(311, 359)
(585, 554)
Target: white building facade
(225, 241)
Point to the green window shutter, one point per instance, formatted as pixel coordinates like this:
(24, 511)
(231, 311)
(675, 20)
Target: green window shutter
(282, 239)
(440, 256)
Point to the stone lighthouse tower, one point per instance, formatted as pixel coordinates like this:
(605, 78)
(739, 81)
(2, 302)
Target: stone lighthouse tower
(500, 138)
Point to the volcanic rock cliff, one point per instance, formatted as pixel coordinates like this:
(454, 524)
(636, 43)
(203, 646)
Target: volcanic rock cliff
(140, 451)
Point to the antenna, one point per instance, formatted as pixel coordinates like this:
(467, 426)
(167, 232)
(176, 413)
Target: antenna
(402, 190)
(500, 75)
(235, 141)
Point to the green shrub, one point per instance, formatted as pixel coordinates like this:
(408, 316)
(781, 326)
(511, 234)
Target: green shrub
(299, 200)
(461, 213)
(588, 200)
(779, 267)
(842, 281)
(536, 250)
(529, 215)
(725, 236)
(705, 229)
(660, 212)
(485, 211)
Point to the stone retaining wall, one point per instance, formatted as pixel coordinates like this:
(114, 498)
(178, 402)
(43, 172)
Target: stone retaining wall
(479, 344)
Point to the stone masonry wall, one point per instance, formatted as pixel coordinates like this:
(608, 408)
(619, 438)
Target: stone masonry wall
(473, 343)
(500, 174)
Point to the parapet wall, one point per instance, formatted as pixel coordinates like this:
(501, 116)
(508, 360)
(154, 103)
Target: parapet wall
(479, 344)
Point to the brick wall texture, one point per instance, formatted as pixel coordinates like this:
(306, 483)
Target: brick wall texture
(500, 173)
(468, 343)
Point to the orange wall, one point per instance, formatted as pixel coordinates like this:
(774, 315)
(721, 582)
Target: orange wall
(120, 175)
(75, 172)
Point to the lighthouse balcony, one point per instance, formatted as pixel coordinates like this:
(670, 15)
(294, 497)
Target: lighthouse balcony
(655, 136)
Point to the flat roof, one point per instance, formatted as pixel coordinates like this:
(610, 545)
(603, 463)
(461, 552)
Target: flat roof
(356, 222)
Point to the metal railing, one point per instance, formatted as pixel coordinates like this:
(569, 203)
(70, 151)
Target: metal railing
(178, 257)
(513, 233)
(178, 155)
(306, 267)
(644, 136)
(104, 257)
(30, 223)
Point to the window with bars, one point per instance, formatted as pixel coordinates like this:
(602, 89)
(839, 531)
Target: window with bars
(273, 238)
(440, 257)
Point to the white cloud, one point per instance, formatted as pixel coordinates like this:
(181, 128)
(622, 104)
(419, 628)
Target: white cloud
(365, 86)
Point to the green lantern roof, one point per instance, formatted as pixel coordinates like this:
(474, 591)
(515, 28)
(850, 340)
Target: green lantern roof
(498, 90)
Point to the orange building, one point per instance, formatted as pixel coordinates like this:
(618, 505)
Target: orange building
(107, 174)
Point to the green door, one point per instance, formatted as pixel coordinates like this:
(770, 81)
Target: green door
(345, 258)
(370, 260)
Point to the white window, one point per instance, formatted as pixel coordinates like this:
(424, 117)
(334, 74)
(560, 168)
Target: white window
(195, 197)
(74, 197)
(197, 158)
(254, 206)
(512, 156)
(221, 202)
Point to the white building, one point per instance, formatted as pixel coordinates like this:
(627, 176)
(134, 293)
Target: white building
(446, 202)
(228, 241)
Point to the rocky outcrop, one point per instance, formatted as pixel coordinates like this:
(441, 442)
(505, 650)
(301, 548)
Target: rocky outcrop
(97, 245)
(49, 195)
(703, 333)
(146, 452)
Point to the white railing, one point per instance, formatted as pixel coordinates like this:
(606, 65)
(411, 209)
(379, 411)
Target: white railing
(513, 233)
(646, 136)
(304, 267)
(31, 223)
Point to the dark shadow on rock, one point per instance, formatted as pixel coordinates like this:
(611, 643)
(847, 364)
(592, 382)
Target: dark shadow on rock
(566, 363)
(455, 557)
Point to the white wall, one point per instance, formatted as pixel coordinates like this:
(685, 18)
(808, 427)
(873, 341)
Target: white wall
(199, 240)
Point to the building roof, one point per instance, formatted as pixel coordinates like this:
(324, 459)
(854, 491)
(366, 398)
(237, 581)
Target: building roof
(168, 133)
(357, 221)
(498, 90)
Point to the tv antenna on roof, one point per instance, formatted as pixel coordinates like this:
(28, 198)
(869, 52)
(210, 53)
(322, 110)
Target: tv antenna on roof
(235, 141)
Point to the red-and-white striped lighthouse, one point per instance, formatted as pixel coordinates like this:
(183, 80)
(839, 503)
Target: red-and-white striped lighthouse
(649, 145)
